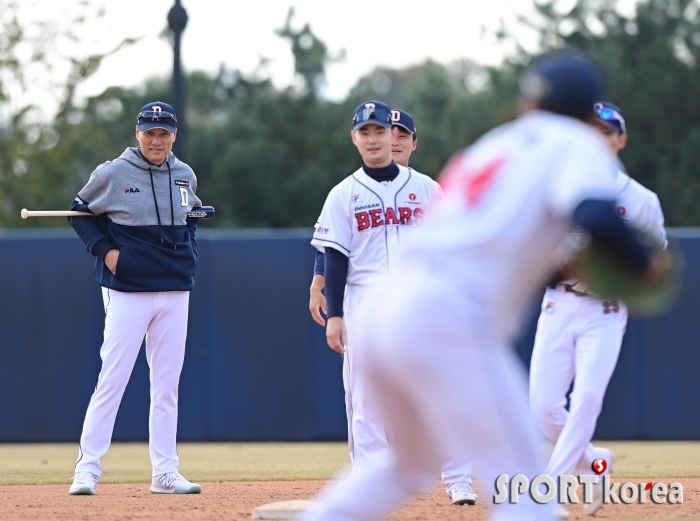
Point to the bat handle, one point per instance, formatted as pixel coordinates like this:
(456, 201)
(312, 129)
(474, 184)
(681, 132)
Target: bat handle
(24, 213)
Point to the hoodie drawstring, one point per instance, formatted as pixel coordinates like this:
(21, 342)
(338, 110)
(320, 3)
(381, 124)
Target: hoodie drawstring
(155, 200)
(172, 210)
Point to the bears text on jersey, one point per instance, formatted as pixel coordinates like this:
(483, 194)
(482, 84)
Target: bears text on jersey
(377, 217)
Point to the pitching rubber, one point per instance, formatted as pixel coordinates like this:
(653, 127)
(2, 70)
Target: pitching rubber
(284, 509)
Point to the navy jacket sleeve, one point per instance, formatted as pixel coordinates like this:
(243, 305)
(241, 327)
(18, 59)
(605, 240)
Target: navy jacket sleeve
(320, 263)
(336, 278)
(90, 230)
(192, 223)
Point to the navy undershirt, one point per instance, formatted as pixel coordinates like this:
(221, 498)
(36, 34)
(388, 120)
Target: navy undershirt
(335, 267)
(383, 173)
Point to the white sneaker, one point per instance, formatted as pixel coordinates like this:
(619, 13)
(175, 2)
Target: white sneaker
(597, 503)
(173, 483)
(84, 484)
(462, 494)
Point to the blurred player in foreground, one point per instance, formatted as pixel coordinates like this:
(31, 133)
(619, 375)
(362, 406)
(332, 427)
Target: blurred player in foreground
(580, 335)
(436, 338)
(456, 472)
(146, 258)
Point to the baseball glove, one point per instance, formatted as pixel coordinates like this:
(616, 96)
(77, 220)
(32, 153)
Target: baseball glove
(611, 279)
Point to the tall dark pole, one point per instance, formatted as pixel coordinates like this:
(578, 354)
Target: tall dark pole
(177, 20)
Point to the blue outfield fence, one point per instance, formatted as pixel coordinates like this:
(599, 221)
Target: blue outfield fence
(257, 367)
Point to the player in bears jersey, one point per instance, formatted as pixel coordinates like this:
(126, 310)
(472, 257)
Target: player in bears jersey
(579, 336)
(456, 471)
(435, 338)
(363, 221)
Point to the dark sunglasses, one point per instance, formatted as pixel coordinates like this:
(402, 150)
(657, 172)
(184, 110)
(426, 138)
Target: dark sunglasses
(156, 115)
(608, 114)
(372, 113)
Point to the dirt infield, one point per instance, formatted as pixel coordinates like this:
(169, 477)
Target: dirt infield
(235, 501)
(237, 477)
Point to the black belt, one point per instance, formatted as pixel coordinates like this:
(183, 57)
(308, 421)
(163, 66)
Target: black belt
(569, 288)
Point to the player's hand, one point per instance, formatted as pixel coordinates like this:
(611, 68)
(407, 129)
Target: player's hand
(111, 260)
(336, 334)
(318, 300)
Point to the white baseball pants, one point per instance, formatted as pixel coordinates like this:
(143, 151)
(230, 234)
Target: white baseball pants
(577, 337)
(162, 318)
(443, 385)
(366, 437)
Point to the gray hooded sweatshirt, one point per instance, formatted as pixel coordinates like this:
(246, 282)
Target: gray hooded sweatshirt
(142, 211)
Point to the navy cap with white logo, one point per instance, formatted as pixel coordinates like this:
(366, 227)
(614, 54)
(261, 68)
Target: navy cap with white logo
(157, 115)
(371, 112)
(401, 118)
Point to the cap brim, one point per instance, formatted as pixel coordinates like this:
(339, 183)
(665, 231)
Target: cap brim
(152, 124)
(384, 124)
(610, 124)
(403, 126)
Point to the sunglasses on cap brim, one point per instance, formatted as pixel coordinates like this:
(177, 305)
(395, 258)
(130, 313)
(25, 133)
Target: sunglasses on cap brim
(155, 115)
(369, 115)
(610, 115)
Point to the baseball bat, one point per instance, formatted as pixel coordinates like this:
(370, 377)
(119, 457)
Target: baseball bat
(201, 212)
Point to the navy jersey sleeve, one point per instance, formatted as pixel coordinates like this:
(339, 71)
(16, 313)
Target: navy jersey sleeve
(607, 229)
(336, 278)
(320, 263)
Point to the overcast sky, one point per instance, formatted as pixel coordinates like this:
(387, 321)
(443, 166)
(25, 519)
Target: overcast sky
(237, 33)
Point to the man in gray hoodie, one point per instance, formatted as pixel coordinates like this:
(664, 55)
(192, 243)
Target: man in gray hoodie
(146, 256)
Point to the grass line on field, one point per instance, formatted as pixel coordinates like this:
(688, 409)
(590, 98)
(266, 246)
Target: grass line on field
(129, 462)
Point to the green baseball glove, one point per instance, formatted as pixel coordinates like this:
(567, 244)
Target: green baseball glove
(611, 279)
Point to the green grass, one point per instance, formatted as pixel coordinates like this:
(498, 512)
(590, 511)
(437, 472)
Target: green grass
(129, 462)
(655, 459)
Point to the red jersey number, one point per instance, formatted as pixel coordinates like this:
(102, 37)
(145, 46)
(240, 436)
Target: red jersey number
(473, 184)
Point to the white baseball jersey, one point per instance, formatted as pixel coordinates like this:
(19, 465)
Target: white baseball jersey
(507, 207)
(367, 220)
(638, 206)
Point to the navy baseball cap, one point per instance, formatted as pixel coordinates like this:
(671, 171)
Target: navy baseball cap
(157, 115)
(371, 111)
(611, 116)
(401, 118)
(565, 82)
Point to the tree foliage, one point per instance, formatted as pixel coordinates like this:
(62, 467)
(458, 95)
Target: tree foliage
(651, 61)
(267, 157)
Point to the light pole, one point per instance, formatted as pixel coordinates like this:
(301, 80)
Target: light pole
(177, 20)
